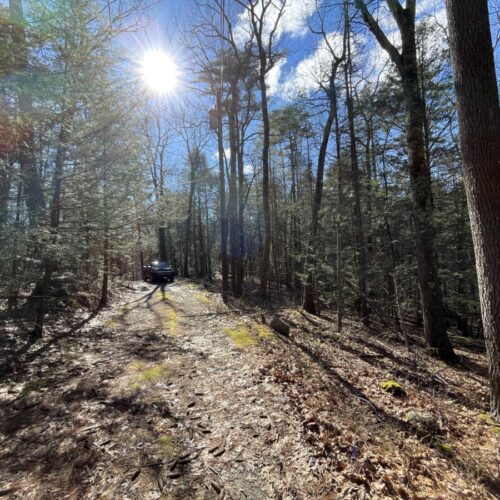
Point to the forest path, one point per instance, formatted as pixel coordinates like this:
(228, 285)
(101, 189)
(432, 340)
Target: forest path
(161, 396)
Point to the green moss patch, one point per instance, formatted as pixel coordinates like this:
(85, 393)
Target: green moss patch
(263, 331)
(445, 449)
(73, 303)
(241, 335)
(167, 445)
(111, 323)
(202, 297)
(488, 419)
(393, 387)
(172, 321)
(144, 374)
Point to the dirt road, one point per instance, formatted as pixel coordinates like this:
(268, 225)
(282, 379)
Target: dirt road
(172, 395)
(162, 396)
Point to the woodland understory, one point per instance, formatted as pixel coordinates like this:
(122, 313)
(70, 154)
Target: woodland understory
(324, 179)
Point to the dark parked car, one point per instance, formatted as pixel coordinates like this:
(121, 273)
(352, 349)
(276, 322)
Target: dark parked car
(158, 271)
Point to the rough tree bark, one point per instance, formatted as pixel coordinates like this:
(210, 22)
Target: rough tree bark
(479, 122)
(431, 299)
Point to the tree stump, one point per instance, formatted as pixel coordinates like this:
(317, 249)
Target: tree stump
(280, 326)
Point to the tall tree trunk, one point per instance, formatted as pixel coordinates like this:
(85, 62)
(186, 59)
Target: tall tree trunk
(433, 312)
(309, 292)
(359, 236)
(209, 241)
(49, 263)
(103, 302)
(264, 30)
(266, 250)
(202, 267)
(33, 192)
(5, 182)
(193, 160)
(162, 246)
(241, 208)
(294, 223)
(13, 285)
(339, 270)
(309, 303)
(222, 197)
(479, 121)
(420, 176)
(232, 199)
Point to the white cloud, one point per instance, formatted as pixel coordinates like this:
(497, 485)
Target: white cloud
(248, 169)
(297, 12)
(313, 70)
(293, 20)
(429, 7)
(227, 154)
(273, 77)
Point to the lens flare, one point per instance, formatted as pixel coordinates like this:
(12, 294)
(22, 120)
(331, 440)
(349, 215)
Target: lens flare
(159, 72)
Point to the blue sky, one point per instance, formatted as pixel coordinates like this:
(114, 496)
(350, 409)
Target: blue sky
(306, 59)
(304, 54)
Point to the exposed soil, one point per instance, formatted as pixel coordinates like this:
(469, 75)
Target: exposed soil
(173, 395)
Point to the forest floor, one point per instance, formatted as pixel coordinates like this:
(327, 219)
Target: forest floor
(175, 395)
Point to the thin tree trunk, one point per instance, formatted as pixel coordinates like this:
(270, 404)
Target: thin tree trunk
(309, 292)
(266, 251)
(13, 285)
(5, 182)
(193, 159)
(222, 198)
(209, 241)
(232, 200)
(359, 237)
(103, 302)
(241, 207)
(42, 288)
(339, 270)
(202, 268)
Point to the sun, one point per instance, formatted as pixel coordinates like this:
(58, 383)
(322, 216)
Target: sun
(159, 71)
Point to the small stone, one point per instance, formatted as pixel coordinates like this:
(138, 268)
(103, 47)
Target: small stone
(422, 420)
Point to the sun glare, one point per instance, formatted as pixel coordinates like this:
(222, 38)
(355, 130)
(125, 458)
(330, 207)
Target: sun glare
(159, 71)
